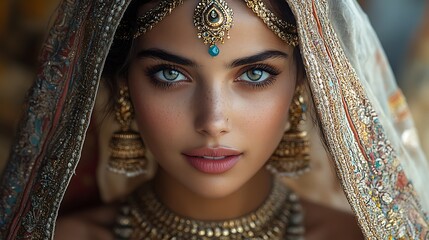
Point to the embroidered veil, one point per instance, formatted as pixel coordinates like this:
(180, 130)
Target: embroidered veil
(364, 119)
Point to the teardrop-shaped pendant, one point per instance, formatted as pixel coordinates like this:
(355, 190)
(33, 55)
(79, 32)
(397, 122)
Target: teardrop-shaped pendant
(213, 16)
(214, 51)
(213, 20)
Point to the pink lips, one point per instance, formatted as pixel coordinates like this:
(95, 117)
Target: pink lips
(212, 160)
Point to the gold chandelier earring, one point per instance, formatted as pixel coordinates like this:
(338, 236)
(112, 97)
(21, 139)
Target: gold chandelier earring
(127, 148)
(292, 158)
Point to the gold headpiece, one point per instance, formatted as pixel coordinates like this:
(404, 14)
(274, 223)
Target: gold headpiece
(213, 20)
(284, 30)
(154, 16)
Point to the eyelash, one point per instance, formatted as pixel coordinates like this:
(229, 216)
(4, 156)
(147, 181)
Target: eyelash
(151, 71)
(264, 84)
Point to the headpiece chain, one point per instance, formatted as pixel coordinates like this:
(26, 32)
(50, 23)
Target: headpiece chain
(213, 19)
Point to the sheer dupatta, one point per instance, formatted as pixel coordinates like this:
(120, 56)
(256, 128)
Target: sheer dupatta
(364, 119)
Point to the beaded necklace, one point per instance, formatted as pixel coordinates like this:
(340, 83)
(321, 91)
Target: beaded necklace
(143, 216)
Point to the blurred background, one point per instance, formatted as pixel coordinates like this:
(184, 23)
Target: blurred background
(23, 25)
(402, 26)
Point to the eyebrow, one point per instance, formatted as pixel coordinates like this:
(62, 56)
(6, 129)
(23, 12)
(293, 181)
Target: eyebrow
(258, 58)
(157, 53)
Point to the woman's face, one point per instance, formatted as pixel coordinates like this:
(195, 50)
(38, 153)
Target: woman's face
(211, 122)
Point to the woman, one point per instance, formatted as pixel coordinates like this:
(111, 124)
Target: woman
(212, 84)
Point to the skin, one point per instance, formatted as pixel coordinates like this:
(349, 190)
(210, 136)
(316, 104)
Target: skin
(213, 106)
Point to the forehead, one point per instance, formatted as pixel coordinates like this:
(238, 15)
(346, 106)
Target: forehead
(177, 33)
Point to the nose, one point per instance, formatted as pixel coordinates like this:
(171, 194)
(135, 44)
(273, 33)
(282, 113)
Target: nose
(212, 107)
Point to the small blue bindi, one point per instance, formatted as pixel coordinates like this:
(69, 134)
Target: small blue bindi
(214, 50)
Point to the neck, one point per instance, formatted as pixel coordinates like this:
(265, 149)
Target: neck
(184, 202)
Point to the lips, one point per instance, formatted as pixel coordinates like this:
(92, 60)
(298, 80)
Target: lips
(212, 160)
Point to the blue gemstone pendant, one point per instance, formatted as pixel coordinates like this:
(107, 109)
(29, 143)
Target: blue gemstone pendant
(214, 50)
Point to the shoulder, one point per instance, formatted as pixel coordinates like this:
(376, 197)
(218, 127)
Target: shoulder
(327, 223)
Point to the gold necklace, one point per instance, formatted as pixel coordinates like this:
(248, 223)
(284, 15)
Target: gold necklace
(143, 216)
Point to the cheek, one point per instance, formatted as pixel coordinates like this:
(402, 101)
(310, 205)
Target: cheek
(265, 117)
(272, 104)
(154, 117)
(261, 125)
(159, 119)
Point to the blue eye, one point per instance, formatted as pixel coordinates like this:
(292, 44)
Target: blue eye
(255, 75)
(169, 75)
(259, 76)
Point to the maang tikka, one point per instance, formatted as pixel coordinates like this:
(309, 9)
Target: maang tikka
(292, 156)
(213, 19)
(126, 146)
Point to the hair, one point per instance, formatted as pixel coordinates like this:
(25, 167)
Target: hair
(116, 65)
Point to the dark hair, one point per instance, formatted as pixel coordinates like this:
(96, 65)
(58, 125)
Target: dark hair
(116, 64)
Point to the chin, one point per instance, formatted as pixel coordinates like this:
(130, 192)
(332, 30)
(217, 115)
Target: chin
(213, 187)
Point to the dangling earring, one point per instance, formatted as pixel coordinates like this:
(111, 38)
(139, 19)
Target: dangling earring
(127, 149)
(291, 158)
